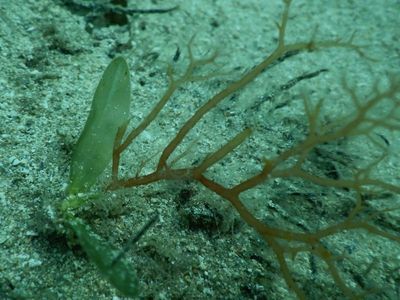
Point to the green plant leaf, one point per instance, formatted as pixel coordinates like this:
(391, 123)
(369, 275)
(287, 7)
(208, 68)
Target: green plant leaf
(119, 274)
(109, 111)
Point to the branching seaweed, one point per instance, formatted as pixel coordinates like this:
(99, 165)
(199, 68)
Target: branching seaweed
(286, 244)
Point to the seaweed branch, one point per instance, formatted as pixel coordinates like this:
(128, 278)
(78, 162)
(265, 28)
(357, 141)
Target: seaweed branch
(290, 163)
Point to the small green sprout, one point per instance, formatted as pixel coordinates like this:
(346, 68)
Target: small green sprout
(92, 154)
(109, 112)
